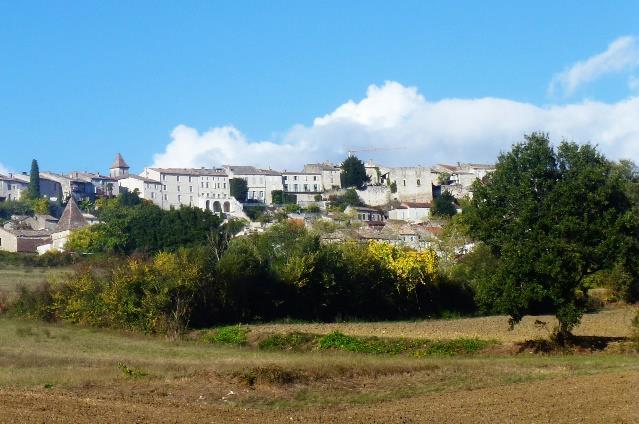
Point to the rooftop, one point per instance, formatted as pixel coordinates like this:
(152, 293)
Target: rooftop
(191, 171)
(119, 162)
(72, 218)
(251, 170)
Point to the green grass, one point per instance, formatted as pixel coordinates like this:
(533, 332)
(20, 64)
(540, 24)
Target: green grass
(12, 276)
(231, 335)
(301, 342)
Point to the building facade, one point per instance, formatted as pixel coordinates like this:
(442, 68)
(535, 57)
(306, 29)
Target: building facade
(260, 182)
(184, 186)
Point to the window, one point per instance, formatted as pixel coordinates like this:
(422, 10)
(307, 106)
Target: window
(177, 178)
(202, 184)
(294, 177)
(315, 187)
(314, 177)
(224, 185)
(190, 189)
(163, 177)
(164, 187)
(179, 198)
(404, 183)
(152, 195)
(207, 185)
(189, 179)
(419, 183)
(178, 188)
(305, 187)
(166, 197)
(294, 187)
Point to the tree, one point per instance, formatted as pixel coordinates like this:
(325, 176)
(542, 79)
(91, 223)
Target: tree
(551, 217)
(349, 198)
(444, 205)
(354, 173)
(33, 191)
(239, 189)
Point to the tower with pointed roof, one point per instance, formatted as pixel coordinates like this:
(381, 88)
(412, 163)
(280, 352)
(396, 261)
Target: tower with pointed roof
(119, 169)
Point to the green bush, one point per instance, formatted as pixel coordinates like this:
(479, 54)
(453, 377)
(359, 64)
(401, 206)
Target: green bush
(232, 335)
(36, 303)
(374, 345)
(291, 341)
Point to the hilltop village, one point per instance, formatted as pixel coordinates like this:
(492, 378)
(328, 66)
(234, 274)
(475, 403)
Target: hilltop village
(393, 205)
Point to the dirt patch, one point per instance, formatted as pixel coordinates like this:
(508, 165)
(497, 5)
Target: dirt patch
(595, 398)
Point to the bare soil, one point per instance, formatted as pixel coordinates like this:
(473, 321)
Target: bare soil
(610, 398)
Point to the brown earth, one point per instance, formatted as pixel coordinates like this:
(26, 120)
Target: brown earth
(609, 398)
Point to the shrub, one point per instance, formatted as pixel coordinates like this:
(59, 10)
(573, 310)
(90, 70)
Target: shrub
(34, 304)
(233, 335)
(291, 341)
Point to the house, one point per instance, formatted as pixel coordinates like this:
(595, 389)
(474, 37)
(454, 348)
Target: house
(101, 185)
(411, 212)
(305, 185)
(27, 241)
(191, 186)
(330, 174)
(11, 188)
(147, 188)
(49, 187)
(365, 214)
(260, 182)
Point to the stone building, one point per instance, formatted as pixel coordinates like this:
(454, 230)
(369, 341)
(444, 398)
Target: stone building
(305, 185)
(11, 188)
(119, 168)
(260, 182)
(185, 186)
(27, 241)
(147, 188)
(330, 174)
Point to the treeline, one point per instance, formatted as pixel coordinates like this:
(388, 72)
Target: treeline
(282, 273)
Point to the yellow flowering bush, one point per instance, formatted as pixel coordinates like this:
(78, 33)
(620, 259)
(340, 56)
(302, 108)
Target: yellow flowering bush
(410, 268)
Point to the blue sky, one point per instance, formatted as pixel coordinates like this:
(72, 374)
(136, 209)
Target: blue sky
(204, 83)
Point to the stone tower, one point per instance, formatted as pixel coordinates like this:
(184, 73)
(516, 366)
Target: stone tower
(119, 169)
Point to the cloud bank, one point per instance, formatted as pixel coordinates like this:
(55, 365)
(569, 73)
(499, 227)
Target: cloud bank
(621, 55)
(412, 131)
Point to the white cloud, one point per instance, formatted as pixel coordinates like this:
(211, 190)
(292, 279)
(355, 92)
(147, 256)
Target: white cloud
(633, 84)
(414, 131)
(621, 55)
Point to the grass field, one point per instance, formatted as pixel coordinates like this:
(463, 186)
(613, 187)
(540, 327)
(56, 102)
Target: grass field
(63, 373)
(614, 322)
(12, 276)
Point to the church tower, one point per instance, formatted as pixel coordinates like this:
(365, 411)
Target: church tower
(119, 169)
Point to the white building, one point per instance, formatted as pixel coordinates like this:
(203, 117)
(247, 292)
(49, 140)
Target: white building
(413, 212)
(330, 174)
(184, 186)
(305, 185)
(260, 182)
(147, 188)
(11, 188)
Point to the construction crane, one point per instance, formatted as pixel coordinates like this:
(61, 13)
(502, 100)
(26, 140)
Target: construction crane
(372, 149)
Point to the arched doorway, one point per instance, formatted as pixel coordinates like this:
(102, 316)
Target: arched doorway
(208, 205)
(217, 207)
(227, 207)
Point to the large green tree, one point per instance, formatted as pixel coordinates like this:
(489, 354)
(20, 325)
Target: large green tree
(444, 205)
(33, 191)
(551, 216)
(239, 189)
(354, 173)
